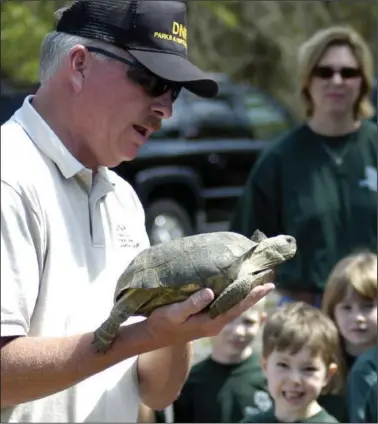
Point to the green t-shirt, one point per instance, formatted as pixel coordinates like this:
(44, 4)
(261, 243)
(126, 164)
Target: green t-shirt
(335, 404)
(268, 417)
(296, 188)
(216, 392)
(370, 415)
(362, 388)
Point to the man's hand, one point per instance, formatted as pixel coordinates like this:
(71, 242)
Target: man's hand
(182, 322)
(174, 326)
(35, 367)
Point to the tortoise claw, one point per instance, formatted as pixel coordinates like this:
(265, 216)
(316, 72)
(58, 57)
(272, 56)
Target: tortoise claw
(100, 345)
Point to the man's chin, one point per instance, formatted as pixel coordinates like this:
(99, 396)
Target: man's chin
(127, 157)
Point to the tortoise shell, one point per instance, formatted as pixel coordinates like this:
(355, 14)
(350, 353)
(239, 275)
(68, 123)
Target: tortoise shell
(198, 261)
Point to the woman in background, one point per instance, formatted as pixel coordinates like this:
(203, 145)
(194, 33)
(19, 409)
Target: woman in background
(318, 183)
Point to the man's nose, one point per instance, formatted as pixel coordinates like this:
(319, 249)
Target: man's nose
(163, 105)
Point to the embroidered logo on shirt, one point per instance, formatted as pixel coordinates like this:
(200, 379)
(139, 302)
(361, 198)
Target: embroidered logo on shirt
(124, 238)
(370, 180)
(250, 410)
(262, 400)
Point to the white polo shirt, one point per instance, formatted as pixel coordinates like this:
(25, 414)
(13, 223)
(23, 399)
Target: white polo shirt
(65, 240)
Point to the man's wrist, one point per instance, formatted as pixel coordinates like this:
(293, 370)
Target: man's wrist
(135, 339)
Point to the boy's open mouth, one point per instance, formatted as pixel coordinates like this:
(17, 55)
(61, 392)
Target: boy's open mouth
(292, 396)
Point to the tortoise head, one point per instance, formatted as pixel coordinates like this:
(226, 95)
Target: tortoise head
(275, 250)
(285, 245)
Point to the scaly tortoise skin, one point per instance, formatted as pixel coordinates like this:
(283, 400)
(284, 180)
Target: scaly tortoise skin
(226, 262)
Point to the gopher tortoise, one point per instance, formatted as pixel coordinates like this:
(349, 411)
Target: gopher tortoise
(226, 262)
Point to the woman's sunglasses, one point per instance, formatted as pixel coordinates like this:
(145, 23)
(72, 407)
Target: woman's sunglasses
(327, 72)
(153, 85)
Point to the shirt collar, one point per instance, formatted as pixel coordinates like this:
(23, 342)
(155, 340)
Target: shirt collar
(50, 145)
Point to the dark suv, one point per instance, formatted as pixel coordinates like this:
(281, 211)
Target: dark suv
(190, 174)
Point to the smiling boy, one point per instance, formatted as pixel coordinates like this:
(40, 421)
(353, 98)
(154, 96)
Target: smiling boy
(299, 356)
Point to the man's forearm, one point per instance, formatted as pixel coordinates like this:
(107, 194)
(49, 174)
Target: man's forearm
(162, 374)
(32, 368)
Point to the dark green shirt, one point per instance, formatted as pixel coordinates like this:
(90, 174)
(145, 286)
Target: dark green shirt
(362, 388)
(370, 413)
(335, 404)
(215, 392)
(268, 417)
(296, 188)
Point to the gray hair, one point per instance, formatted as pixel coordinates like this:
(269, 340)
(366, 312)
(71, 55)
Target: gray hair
(56, 47)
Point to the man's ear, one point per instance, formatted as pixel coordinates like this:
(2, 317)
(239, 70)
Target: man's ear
(78, 61)
(263, 316)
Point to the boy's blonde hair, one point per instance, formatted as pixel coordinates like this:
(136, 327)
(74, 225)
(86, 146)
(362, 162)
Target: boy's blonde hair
(298, 325)
(312, 51)
(357, 271)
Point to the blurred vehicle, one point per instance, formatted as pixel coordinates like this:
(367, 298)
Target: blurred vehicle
(190, 173)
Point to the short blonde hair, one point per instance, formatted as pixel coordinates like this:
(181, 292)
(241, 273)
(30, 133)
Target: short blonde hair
(357, 271)
(311, 52)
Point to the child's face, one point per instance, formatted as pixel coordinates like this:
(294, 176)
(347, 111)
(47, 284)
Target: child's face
(234, 341)
(356, 319)
(296, 381)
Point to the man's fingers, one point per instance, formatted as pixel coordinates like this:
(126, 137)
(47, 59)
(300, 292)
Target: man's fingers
(257, 294)
(180, 312)
(253, 297)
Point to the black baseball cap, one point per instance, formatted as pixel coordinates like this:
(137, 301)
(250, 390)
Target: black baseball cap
(153, 31)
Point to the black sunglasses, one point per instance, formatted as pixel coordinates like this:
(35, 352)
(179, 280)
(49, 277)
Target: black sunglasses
(327, 72)
(152, 84)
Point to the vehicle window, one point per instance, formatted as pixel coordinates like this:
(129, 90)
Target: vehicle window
(265, 119)
(215, 118)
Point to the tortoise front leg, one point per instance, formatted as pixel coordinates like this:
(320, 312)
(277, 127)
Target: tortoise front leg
(107, 332)
(236, 292)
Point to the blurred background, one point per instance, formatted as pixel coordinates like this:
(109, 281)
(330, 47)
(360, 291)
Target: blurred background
(252, 41)
(190, 175)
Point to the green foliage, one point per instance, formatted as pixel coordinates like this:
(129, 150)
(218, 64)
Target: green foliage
(253, 41)
(260, 45)
(224, 12)
(23, 26)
